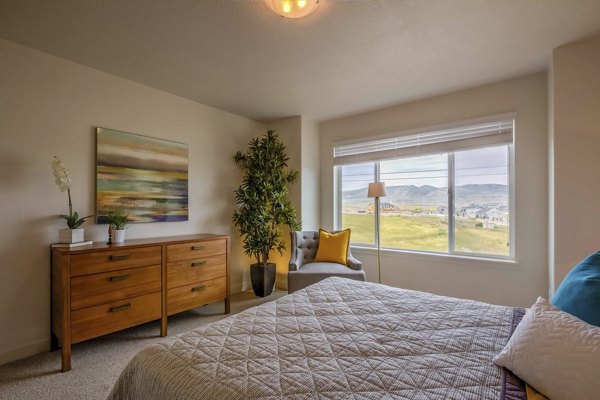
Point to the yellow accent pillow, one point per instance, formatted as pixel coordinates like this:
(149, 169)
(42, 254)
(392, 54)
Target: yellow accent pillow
(333, 247)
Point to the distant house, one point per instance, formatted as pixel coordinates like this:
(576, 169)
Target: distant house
(489, 225)
(499, 213)
(489, 212)
(471, 211)
(385, 207)
(442, 210)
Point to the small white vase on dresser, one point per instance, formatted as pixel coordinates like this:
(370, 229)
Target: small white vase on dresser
(70, 235)
(118, 235)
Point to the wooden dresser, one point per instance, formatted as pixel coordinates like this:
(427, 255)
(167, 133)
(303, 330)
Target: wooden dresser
(99, 289)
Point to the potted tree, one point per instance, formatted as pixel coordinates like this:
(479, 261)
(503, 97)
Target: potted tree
(263, 206)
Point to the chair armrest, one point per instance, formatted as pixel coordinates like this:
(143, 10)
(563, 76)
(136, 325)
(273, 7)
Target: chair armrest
(353, 263)
(296, 256)
(295, 263)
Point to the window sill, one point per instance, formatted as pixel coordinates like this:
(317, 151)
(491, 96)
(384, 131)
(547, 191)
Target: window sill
(454, 259)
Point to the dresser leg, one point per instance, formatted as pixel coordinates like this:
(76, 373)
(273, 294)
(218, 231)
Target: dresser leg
(163, 327)
(54, 345)
(66, 357)
(227, 306)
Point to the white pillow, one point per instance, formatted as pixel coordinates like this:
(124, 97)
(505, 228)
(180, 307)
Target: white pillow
(556, 353)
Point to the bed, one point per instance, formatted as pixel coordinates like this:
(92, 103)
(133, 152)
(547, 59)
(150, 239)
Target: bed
(337, 339)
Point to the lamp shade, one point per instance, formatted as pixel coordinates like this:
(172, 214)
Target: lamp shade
(377, 189)
(293, 8)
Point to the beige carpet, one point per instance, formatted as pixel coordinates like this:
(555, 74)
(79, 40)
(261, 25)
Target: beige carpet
(98, 362)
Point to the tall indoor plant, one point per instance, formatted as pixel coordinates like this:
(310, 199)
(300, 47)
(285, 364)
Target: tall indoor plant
(263, 206)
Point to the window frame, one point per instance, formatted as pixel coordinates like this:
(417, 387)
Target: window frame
(451, 210)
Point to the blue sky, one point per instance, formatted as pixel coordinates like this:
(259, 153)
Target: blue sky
(472, 167)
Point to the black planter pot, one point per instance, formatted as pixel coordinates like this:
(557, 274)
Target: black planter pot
(263, 279)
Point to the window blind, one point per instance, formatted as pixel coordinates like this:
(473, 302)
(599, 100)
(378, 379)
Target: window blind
(468, 136)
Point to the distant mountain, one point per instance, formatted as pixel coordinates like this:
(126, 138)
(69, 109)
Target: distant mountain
(433, 196)
(481, 194)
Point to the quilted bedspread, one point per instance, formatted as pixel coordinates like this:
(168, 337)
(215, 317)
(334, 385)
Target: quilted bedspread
(337, 339)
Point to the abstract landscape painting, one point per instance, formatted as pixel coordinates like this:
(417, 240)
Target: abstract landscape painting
(148, 177)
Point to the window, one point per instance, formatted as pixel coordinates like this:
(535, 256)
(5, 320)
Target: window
(481, 201)
(455, 202)
(357, 209)
(413, 214)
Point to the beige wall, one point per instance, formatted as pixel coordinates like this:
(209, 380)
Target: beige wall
(290, 132)
(310, 176)
(494, 282)
(49, 107)
(575, 167)
(301, 137)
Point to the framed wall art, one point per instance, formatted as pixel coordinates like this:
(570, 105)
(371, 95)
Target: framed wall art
(146, 176)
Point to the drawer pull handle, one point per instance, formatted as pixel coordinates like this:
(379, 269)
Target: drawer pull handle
(122, 307)
(119, 278)
(117, 257)
(198, 263)
(199, 288)
(201, 247)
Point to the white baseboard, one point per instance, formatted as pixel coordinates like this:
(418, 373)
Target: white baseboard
(24, 351)
(41, 346)
(237, 288)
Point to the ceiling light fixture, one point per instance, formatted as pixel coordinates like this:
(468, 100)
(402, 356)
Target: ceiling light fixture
(293, 8)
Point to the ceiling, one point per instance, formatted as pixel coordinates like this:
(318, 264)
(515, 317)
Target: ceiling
(348, 57)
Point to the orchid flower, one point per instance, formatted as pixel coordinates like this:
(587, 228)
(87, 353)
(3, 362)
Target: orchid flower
(61, 175)
(63, 181)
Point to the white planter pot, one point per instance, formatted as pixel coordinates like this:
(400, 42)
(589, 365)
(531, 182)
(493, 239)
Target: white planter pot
(70, 235)
(118, 235)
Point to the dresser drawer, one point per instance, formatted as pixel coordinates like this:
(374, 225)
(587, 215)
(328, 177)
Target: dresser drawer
(94, 321)
(195, 295)
(113, 260)
(192, 250)
(200, 269)
(91, 290)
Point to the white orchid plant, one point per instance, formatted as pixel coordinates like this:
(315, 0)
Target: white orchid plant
(63, 181)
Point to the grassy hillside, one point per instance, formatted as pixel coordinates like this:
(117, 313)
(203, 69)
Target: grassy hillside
(428, 233)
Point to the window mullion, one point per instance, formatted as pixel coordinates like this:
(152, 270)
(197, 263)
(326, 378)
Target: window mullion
(451, 213)
(338, 198)
(377, 207)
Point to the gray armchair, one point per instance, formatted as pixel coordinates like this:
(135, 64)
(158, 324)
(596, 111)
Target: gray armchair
(304, 271)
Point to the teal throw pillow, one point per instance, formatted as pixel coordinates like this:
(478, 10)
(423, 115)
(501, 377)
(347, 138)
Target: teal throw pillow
(579, 292)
